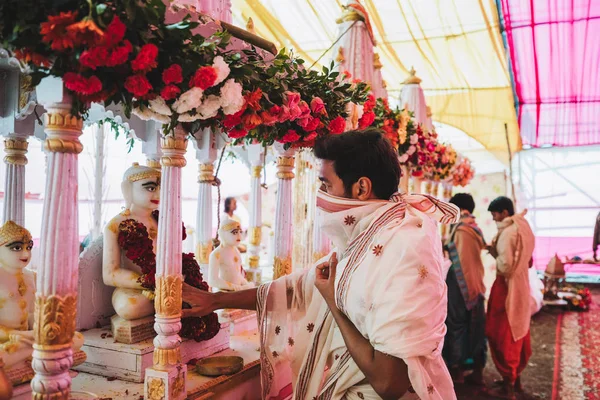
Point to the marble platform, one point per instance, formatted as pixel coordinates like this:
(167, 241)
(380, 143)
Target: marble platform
(240, 321)
(128, 362)
(245, 385)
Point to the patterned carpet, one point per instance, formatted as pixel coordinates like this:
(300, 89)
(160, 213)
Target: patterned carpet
(577, 361)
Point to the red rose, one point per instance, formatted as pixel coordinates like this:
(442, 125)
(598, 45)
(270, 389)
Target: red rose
(307, 141)
(170, 92)
(82, 85)
(146, 59)
(337, 125)
(115, 32)
(366, 120)
(119, 55)
(275, 110)
(237, 133)
(138, 85)
(317, 106)
(204, 78)
(172, 75)
(290, 137)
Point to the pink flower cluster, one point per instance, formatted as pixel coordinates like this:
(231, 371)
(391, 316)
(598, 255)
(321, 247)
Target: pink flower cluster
(420, 153)
(463, 173)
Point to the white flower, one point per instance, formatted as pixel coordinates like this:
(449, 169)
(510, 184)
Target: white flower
(209, 107)
(147, 114)
(411, 150)
(232, 99)
(403, 158)
(360, 110)
(158, 105)
(188, 100)
(187, 117)
(222, 69)
(414, 138)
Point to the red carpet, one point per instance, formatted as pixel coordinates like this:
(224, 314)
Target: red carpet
(577, 366)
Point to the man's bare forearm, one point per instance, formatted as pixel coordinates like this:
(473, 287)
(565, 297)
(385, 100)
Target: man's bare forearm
(386, 374)
(242, 300)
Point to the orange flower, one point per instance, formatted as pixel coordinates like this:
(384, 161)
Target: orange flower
(85, 31)
(27, 56)
(55, 30)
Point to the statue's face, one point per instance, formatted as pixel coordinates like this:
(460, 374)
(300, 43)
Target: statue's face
(145, 193)
(232, 237)
(16, 255)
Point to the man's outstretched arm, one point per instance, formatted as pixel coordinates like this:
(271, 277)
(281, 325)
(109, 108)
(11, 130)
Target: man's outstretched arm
(203, 303)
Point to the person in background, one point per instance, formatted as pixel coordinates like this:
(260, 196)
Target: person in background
(509, 314)
(465, 342)
(230, 205)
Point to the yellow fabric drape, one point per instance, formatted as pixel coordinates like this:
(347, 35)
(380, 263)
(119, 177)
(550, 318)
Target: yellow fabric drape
(455, 46)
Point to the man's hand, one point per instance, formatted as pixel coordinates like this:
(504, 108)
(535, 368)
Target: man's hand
(202, 302)
(493, 251)
(325, 280)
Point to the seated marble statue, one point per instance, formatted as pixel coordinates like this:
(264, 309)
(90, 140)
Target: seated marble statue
(225, 271)
(141, 191)
(17, 297)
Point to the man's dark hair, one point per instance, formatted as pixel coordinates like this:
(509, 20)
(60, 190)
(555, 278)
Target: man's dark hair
(362, 153)
(464, 201)
(502, 203)
(227, 204)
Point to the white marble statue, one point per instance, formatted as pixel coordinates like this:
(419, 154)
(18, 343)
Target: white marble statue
(225, 271)
(17, 297)
(141, 191)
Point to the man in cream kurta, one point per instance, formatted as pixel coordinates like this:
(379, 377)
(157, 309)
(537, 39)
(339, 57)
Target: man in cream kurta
(509, 314)
(368, 321)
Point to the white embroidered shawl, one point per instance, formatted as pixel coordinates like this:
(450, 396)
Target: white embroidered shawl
(390, 283)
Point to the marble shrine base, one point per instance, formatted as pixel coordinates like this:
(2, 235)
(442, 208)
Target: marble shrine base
(128, 362)
(134, 331)
(241, 321)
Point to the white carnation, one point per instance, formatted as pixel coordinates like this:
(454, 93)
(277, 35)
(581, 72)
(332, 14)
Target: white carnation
(209, 107)
(147, 114)
(158, 105)
(222, 69)
(188, 100)
(232, 99)
(187, 117)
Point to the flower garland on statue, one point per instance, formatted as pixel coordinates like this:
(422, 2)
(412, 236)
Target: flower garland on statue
(134, 240)
(462, 173)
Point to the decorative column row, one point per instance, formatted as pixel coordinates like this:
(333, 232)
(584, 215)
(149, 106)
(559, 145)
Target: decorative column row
(15, 147)
(166, 379)
(256, 155)
(56, 295)
(283, 247)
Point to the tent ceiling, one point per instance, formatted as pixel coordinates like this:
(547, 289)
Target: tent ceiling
(454, 45)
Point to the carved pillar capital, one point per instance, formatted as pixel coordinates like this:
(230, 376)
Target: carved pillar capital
(16, 150)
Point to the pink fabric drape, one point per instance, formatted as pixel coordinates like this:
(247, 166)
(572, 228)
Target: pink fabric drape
(555, 51)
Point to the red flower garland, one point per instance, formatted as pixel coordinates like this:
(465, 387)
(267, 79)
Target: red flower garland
(133, 238)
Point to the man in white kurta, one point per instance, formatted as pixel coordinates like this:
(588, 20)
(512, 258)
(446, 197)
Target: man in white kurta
(367, 322)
